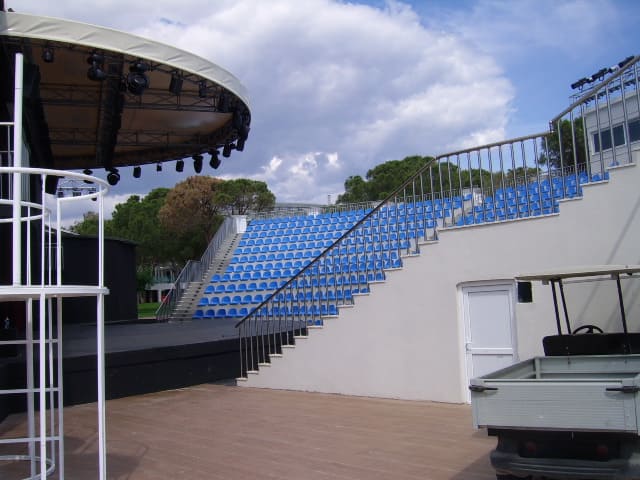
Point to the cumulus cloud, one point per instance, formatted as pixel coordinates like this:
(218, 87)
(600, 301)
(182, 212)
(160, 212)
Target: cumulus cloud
(336, 88)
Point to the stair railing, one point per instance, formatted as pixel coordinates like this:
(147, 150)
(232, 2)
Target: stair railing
(194, 270)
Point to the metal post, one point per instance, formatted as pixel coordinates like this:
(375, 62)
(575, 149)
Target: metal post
(42, 388)
(564, 306)
(102, 443)
(555, 306)
(17, 177)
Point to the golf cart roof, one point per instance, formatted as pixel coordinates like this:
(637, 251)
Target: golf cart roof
(580, 271)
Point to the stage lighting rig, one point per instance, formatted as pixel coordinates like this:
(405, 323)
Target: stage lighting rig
(175, 85)
(158, 167)
(179, 165)
(202, 89)
(137, 171)
(215, 159)
(137, 81)
(47, 54)
(226, 150)
(197, 163)
(96, 70)
(113, 177)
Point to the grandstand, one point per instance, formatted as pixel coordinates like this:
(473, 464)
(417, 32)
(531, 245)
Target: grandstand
(315, 294)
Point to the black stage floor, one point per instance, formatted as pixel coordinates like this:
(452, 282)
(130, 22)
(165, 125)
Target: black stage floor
(123, 337)
(139, 358)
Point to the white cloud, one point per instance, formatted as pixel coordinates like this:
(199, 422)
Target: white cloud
(336, 88)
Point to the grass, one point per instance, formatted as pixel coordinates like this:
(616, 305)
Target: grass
(147, 310)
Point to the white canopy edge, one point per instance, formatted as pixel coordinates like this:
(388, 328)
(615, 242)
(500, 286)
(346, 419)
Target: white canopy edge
(581, 271)
(93, 36)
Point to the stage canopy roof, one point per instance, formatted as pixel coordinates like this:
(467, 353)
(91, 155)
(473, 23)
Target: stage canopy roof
(101, 98)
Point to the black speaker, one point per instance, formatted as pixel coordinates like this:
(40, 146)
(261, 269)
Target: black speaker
(51, 184)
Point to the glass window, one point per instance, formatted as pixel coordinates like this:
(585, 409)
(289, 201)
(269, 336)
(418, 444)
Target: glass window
(605, 135)
(618, 135)
(634, 130)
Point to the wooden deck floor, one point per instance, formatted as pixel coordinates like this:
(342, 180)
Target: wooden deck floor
(225, 432)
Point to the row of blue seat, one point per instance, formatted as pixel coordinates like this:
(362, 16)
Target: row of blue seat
(249, 299)
(365, 253)
(243, 284)
(226, 285)
(288, 311)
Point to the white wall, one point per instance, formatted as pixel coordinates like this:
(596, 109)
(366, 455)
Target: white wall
(405, 340)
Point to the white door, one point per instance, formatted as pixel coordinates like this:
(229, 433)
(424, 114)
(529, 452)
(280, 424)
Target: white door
(489, 328)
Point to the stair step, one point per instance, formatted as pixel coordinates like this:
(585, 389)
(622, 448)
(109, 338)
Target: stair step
(287, 346)
(300, 336)
(253, 372)
(275, 355)
(264, 364)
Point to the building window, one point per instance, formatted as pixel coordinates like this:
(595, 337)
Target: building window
(634, 130)
(618, 138)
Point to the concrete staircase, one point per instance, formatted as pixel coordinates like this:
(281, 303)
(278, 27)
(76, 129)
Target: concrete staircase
(195, 290)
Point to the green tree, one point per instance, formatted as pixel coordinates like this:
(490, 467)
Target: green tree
(87, 226)
(137, 220)
(381, 180)
(557, 150)
(190, 208)
(242, 195)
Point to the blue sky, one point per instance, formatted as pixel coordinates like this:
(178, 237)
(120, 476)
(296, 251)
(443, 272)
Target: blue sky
(337, 87)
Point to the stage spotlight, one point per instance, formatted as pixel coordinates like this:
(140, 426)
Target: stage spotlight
(113, 177)
(580, 83)
(243, 131)
(197, 163)
(137, 171)
(47, 55)
(96, 72)
(202, 89)
(240, 144)
(137, 81)
(159, 167)
(625, 61)
(179, 165)
(175, 85)
(226, 150)
(87, 171)
(215, 160)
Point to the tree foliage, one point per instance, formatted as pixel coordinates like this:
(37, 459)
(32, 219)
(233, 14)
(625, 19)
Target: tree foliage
(242, 195)
(190, 208)
(448, 177)
(87, 226)
(171, 226)
(381, 180)
(558, 149)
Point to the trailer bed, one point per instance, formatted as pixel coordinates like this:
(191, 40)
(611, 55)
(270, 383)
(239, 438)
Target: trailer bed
(575, 393)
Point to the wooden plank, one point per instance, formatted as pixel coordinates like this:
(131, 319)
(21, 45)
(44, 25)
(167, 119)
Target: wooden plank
(225, 432)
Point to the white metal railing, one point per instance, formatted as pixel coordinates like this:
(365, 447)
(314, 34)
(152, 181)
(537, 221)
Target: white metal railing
(194, 270)
(31, 219)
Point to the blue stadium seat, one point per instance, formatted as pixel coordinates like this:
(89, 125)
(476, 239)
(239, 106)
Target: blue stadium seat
(209, 290)
(214, 301)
